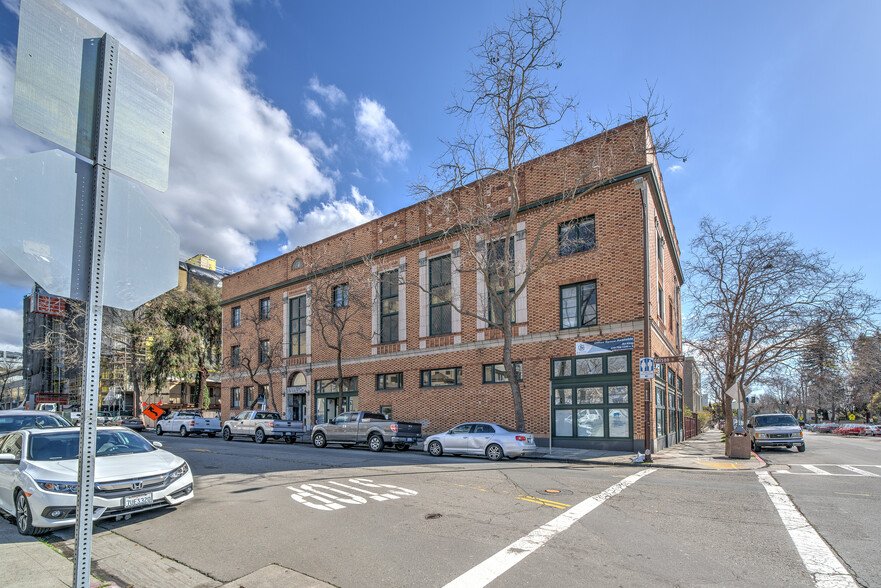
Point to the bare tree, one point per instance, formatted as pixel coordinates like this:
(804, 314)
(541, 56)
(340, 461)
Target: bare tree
(258, 350)
(341, 297)
(757, 301)
(508, 107)
(8, 367)
(865, 372)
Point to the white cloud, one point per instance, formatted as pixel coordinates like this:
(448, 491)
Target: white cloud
(333, 95)
(316, 144)
(312, 109)
(330, 217)
(378, 132)
(675, 169)
(10, 329)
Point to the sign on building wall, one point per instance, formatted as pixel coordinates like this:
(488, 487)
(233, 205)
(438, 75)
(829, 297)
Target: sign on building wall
(622, 344)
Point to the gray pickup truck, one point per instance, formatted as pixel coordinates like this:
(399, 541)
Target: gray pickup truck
(261, 425)
(370, 428)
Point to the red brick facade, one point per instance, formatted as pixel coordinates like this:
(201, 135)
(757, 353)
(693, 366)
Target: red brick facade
(407, 238)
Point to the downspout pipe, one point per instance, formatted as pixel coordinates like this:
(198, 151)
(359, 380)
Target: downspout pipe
(647, 411)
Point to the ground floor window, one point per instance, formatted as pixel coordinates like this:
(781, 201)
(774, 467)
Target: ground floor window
(590, 398)
(327, 398)
(661, 413)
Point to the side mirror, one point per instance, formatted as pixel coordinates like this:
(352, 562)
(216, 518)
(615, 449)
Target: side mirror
(749, 425)
(9, 459)
(157, 444)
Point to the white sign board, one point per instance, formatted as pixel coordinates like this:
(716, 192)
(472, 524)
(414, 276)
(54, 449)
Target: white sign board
(646, 368)
(733, 392)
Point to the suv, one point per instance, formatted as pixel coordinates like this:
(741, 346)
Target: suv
(775, 430)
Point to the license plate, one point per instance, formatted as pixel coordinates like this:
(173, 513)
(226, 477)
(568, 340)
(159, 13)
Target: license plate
(138, 500)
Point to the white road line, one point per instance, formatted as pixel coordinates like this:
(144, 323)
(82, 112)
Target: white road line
(490, 569)
(857, 470)
(818, 558)
(816, 470)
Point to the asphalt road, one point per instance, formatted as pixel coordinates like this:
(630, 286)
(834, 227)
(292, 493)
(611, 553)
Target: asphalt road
(354, 518)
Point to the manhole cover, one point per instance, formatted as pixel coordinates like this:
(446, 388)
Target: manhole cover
(433, 515)
(556, 492)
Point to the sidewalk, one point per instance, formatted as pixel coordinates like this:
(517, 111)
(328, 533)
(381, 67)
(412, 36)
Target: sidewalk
(118, 562)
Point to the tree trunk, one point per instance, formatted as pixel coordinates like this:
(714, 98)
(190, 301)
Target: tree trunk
(203, 387)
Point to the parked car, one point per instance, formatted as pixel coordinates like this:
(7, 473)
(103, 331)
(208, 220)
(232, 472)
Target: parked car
(14, 420)
(775, 430)
(261, 425)
(38, 476)
(825, 427)
(129, 422)
(370, 428)
(850, 429)
(493, 440)
(188, 423)
(872, 431)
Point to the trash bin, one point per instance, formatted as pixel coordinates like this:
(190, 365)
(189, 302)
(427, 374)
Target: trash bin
(737, 446)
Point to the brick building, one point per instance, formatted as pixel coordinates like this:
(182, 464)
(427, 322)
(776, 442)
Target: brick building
(418, 345)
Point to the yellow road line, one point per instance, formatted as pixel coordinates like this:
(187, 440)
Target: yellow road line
(722, 466)
(548, 501)
(541, 502)
(852, 494)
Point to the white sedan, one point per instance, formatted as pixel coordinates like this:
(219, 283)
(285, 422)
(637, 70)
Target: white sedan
(38, 476)
(490, 439)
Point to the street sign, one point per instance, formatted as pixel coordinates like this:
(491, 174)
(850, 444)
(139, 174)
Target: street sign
(55, 74)
(45, 198)
(733, 392)
(646, 368)
(670, 359)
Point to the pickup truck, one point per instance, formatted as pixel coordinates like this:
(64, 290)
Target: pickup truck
(261, 425)
(370, 428)
(188, 423)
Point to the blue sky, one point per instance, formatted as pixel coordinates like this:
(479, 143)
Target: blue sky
(294, 120)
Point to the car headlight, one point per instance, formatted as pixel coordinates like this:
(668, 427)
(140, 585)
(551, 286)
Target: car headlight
(761, 435)
(174, 475)
(60, 487)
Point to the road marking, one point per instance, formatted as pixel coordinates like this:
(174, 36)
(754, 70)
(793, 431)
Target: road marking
(852, 494)
(816, 470)
(543, 502)
(857, 470)
(329, 498)
(490, 569)
(722, 466)
(821, 563)
(813, 470)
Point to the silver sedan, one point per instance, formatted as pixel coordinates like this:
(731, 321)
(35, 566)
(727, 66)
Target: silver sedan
(490, 439)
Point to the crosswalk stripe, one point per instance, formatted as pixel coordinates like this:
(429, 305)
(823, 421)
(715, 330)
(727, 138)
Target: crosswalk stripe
(816, 470)
(857, 470)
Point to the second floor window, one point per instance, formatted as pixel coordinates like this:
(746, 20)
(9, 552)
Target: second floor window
(247, 397)
(388, 307)
(440, 312)
(390, 381)
(576, 235)
(500, 268)
(236, 318)
(264, 309)
(442, 377)
(495, 373)
(235, 355)
(661, 303)
(297, 325)
(234, 398)
(341, 296)
(263, 351)
(578, 305)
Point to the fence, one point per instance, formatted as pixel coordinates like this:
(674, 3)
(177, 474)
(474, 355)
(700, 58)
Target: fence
(692, 426)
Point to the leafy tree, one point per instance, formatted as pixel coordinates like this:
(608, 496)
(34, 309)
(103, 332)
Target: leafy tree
(186, 338)
(759, 301)
(865, 373)
(508, 107)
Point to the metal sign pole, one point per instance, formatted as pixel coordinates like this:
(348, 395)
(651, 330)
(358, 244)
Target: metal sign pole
(109, 50)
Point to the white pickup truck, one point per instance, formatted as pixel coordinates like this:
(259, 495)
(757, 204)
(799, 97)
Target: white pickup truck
(261, 425)
(188, 423)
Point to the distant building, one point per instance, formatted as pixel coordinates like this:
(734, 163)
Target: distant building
(691, 388)
(55, 374)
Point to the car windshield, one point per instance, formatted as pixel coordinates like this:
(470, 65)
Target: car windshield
(31, 421)
(65, 445)
(776, 420)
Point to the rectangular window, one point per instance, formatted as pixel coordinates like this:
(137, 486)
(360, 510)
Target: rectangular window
(330, 386)
(235, 356)
(660, 247)
(390, 381)
(297, 325)
(576, 235)
(500, 269)
(263, 351)
(387, 411)
(234, 398)
(494, 373)
(661, 303)
(578, 305)
(264, 309)
(388, 307)
(341, 296)
(443, 377)
(261, 392)
(247, 396)
(440, 285)
(236, 316)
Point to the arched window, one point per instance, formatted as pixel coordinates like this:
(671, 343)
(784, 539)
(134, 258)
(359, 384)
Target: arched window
(298, 379)
(298, 263)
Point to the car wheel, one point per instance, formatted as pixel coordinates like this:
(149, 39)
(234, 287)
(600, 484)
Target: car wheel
(319, 440)
(184, 432)
(757, 448)
(290, 440)
(227, 435)
(802, 448)
(23, 519)
(212, 434)
(158, 431)
(435, 449)
(494, 452)
(402, 447)
(375, 443)
(259, 436)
